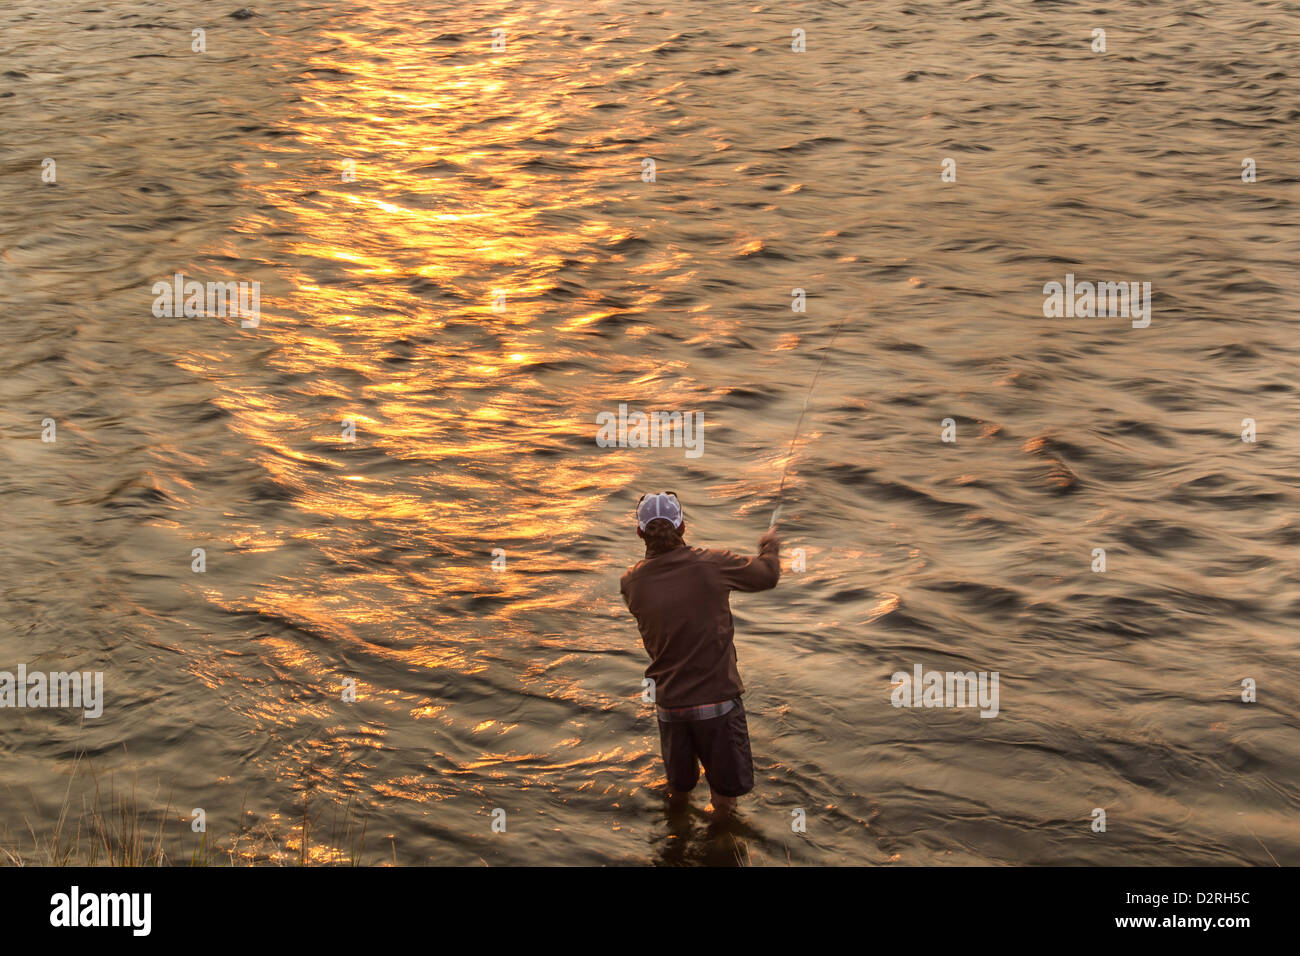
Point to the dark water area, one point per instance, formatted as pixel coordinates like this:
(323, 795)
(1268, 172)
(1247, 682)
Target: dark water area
(498, 274)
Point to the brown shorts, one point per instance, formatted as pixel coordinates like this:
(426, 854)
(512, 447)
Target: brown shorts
(720, 743)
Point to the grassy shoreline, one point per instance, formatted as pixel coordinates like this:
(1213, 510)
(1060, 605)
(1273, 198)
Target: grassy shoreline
(115, 828)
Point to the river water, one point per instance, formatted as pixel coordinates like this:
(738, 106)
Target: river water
(459, 252)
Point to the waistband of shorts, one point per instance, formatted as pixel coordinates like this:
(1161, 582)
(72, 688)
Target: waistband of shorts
(698, 712)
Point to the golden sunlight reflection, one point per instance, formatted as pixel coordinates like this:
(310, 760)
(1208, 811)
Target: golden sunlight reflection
(412, 340)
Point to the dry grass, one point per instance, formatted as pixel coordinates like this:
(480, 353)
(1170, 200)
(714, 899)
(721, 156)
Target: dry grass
(118, 828)
(748, 856)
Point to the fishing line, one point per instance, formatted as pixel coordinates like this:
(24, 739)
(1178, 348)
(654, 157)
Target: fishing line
(798, 425)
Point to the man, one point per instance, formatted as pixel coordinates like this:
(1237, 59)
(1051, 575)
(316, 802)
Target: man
(679, 597)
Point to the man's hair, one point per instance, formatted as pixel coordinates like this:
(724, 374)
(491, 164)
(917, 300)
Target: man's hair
(661, 536)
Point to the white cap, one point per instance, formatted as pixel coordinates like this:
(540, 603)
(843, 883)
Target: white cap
(659, 506)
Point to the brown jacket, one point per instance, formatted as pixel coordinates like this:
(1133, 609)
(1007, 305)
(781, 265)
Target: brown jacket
(680, 602)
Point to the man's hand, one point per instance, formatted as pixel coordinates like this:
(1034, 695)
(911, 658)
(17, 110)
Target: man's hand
(771, 537)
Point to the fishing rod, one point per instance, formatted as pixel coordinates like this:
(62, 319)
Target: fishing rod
(776, 515)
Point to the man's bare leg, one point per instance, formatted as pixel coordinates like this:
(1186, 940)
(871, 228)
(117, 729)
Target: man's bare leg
(723, 807)
(677, 801)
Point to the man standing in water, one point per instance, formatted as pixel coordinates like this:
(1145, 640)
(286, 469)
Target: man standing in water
(679, 597)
